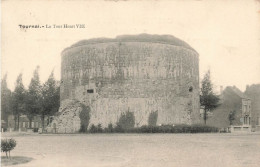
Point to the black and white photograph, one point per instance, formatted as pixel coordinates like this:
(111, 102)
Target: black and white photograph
(120, 83)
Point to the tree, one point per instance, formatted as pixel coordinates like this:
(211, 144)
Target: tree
(231, 117)
(208, 99)
(18, 99)
(34, 97)
(7, 145)
(5, 100)
(50, 98)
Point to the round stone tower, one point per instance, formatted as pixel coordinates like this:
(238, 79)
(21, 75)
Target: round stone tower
(137, 73)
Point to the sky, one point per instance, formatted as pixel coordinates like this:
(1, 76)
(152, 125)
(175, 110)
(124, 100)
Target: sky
(225, 33)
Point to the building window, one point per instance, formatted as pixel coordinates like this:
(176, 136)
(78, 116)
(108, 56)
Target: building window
(32, 124)
(246, 120)
(90, 90)
(245, 108)
(190, 89)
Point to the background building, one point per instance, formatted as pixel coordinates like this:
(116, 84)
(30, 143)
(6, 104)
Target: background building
(232, 100)
(253, 92)
(24, 123)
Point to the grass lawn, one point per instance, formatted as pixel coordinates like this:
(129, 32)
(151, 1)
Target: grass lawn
(14, 160)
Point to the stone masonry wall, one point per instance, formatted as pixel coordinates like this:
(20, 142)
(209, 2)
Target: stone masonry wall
(141, 77)
(68, 120)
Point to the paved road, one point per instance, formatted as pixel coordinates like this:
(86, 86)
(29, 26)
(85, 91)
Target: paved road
(140, 150)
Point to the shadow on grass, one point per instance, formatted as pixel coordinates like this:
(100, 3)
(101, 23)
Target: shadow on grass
(15, 160)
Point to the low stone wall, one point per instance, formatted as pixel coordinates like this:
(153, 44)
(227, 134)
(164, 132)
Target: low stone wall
(257, 128)
(237, 129)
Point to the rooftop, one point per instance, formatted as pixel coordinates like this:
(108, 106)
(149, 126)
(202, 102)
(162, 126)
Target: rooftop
(238, 92)
(165, 39)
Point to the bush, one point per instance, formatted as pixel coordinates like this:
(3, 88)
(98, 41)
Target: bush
(119, 128)
(7, 145)
(109, 129)
(181, 128)
(96, 129)
(126, 121)
(84, 118)
(152, 119)
(148, 129)
(99, 128)
(93, 129)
